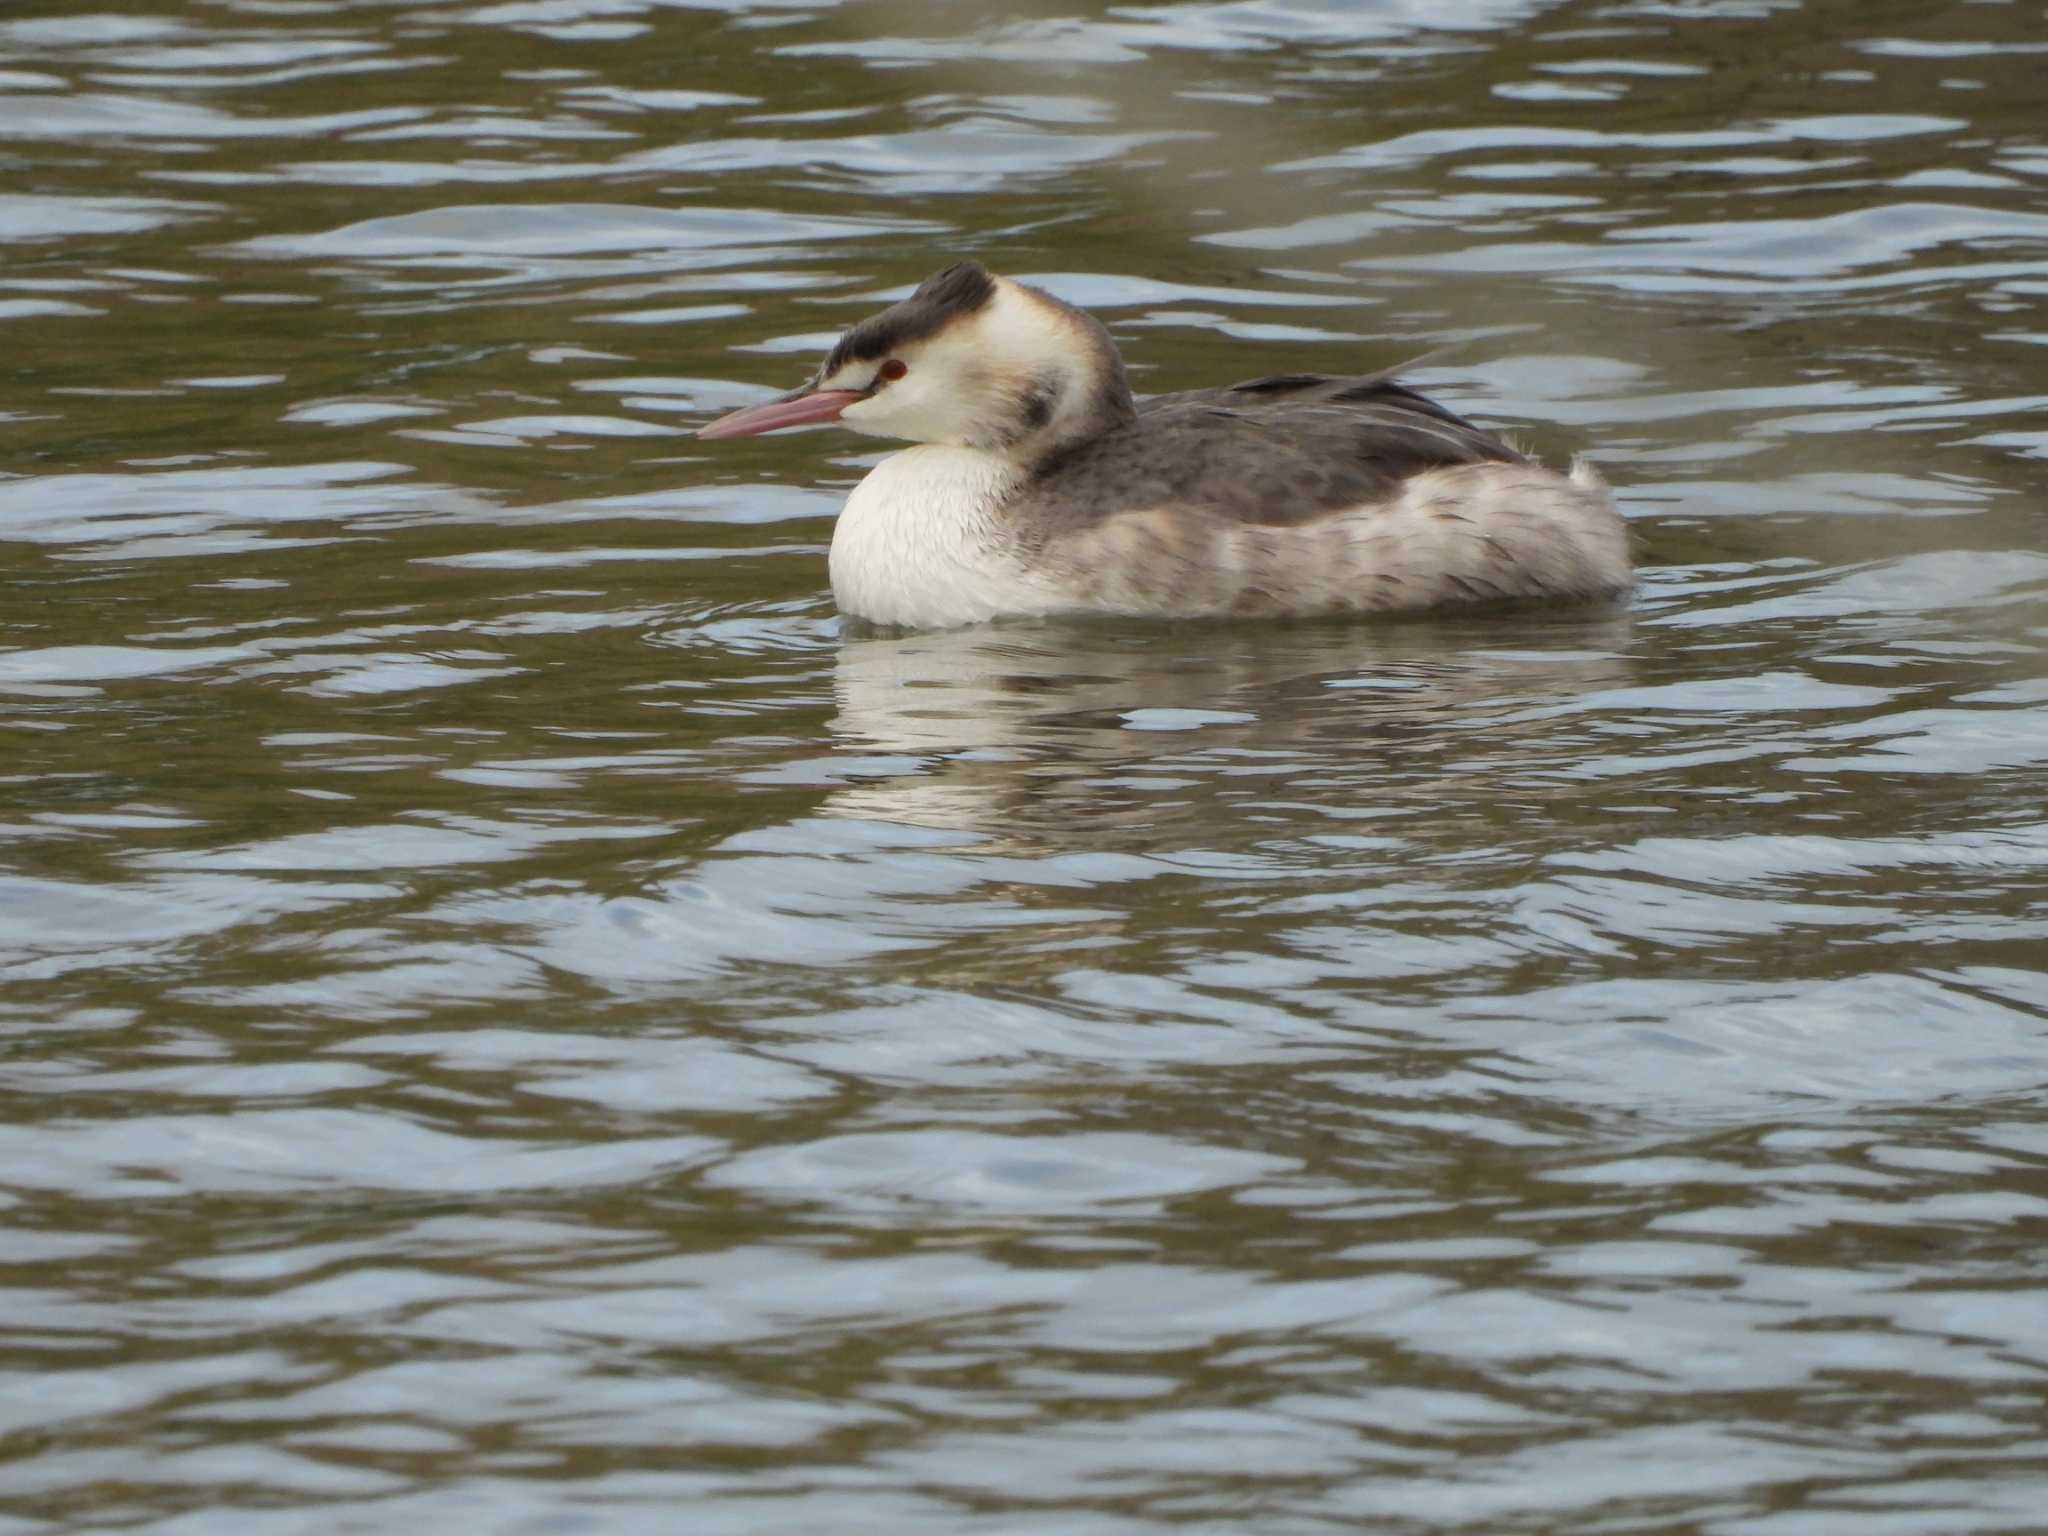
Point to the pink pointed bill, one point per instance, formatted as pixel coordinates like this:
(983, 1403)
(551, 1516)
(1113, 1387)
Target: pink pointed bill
(798, 409)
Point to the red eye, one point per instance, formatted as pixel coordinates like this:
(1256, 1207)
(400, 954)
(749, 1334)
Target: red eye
(893, 370)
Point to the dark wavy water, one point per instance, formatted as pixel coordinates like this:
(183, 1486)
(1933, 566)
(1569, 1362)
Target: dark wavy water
(514, 1021)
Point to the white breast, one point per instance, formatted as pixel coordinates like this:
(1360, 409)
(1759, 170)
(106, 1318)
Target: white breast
(920, 543)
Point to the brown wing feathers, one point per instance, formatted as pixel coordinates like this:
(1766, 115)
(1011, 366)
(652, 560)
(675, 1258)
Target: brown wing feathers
(1277, 451)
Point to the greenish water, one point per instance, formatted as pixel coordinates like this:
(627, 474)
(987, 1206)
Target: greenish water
(513, 1021)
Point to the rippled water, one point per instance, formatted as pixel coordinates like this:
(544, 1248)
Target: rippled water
(516, 1022)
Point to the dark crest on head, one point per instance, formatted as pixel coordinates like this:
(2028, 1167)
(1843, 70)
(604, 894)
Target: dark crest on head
(941, 299)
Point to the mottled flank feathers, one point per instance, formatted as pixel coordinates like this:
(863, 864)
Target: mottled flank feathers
(1467, 533)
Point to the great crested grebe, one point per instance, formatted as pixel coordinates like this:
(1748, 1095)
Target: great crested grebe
(1040, 486)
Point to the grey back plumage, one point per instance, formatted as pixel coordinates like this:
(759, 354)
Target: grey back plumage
(1277, 451)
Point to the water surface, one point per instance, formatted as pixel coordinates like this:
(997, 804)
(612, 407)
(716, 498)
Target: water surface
(518, 1020)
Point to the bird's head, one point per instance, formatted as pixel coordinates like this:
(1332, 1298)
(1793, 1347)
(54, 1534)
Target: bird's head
(970, 359)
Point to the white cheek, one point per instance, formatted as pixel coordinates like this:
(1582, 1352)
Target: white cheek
(912, 407)
(871, 415)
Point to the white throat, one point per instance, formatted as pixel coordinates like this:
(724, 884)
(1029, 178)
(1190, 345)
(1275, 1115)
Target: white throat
(921, 543)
